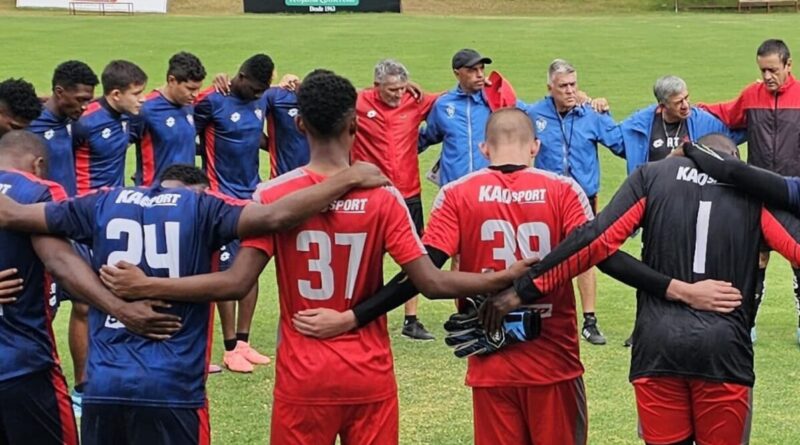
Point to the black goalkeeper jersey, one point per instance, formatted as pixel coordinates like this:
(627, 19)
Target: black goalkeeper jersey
(693, 229)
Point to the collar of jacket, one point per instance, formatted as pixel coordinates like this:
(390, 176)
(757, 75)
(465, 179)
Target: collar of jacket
(790, 81)
(579, 109)
(476, 97)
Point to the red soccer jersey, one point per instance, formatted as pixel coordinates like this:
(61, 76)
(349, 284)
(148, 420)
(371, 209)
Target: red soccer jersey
(493, 219)
(335, 260)
(387, 137)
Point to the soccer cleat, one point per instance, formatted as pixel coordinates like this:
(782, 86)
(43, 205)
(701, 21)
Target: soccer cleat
(77, 402)
(251, 355)
(236, 362)
(214, 369)
(416, 331)
(591, 333)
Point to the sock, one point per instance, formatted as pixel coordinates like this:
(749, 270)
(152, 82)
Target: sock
(410, 319)
(230, 344)
(589, 315)
(79, 387)
(760, 290)
(795, 281)
(243, 336)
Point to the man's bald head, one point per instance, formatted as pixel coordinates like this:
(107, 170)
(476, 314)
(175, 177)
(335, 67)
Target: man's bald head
(509, 126)
(721, 143)
(23, 150)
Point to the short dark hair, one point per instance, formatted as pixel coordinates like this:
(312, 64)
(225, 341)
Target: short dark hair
(326, 100)
(20, 99)
(186, 67)
(259, 68)
(186, 173)
(774, 46)
(73, 73)
(120, 75)
(23, 141)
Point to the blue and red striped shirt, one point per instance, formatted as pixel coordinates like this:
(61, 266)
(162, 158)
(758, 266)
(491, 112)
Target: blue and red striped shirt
(27, 344)
(164, 135)
(101, 136)
(230, 132)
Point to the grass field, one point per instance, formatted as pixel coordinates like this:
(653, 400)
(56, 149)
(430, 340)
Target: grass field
(618, 56)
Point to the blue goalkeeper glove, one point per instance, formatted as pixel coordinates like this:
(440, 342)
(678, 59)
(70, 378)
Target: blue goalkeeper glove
(467, 337)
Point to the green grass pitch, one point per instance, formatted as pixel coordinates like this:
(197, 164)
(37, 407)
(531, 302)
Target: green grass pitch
(617, 56)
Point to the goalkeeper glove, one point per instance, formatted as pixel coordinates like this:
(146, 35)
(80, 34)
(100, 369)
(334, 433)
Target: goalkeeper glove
(467, 337)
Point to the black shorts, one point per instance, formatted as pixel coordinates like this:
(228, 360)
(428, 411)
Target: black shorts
(103, 424)
(36, 409)
(414, 205)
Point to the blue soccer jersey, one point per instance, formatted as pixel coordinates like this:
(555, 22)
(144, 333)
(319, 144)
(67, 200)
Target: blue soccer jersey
(101, 138)
(288, 148)
(167, 233)
(230, 132)
(164, 135)
(57, 134)
(27, 344)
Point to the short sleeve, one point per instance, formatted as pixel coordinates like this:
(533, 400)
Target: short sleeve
(401, 240)
(442, 231)
(265, 244)
(219, 218)
(74, 218)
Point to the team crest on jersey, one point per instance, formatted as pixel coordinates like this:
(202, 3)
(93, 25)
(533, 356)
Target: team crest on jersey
(170, 122)
(190, 119)
(658, 143)
(450, 110)
(259, 113)
(235, 117)
(371, 114)
(49, 134)
(106, 133)
(541, 124)
(293, 112)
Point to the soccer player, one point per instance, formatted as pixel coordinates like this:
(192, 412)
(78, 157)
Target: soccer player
(692, 371)
(345, 386)
(18, 105)
(138, 389)
(389, 116)
(164, 131)
(34, 401)
(493, 217)
(570, 133)
(73, 88)
(100, 139)
(230, 129)
(768, 111)
(102, 134)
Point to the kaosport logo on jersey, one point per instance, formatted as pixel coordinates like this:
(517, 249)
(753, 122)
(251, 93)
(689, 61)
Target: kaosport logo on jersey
(4, 188)
(690, 174)
(495, 193)
(138, 198)
(349, 205)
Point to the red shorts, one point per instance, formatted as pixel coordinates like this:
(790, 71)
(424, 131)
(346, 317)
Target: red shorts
(360, 424)
(531, 415)
(672, 409)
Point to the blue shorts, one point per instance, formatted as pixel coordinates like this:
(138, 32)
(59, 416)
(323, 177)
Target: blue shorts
(227, 254)
(103, 424)
(36, 409)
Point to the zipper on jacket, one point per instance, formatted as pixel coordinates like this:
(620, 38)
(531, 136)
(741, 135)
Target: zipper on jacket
(774, 150)
(469, 132)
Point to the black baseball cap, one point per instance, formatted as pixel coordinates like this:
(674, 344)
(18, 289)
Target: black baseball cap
(468, 57)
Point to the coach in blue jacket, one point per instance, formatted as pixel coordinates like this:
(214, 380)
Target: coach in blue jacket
(652, 133)
(458, 119)
(569, 132)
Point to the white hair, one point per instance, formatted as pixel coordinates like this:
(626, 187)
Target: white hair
(558, 66)
(390, 67)
(668, 86)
